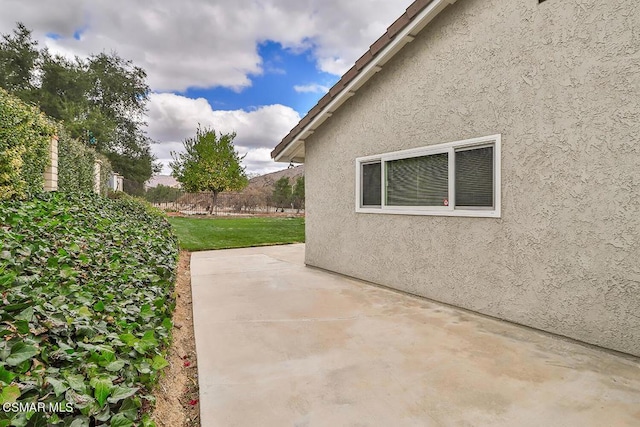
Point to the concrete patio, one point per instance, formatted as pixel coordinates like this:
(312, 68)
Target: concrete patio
(281, 344)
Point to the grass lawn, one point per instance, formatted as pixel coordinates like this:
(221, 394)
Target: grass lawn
(199, 234)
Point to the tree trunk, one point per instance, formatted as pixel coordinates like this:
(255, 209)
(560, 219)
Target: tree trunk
(215, 203)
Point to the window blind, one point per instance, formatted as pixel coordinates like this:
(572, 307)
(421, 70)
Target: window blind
(371, 184)
(418, 181)
(474, 177)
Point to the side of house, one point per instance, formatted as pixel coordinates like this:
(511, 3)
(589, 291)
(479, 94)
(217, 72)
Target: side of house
(549, 91)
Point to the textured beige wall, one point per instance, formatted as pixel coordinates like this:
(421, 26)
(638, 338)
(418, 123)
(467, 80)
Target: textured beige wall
(51, 171)
(561, 82)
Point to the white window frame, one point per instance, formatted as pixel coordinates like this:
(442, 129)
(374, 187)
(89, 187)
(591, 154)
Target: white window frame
(450, 147)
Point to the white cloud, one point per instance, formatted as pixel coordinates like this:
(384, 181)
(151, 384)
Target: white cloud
(173, 118)
(199, 43)
(260, 161)
(202, 43)
(56, 48)
(311, 88)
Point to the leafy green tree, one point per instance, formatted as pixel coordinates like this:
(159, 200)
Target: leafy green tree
(209, 162)
(282, 193)
(297, 198)
(19, 59)
(100, 100)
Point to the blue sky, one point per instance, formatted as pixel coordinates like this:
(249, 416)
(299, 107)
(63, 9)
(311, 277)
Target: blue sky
(254, 67)
(284, 71)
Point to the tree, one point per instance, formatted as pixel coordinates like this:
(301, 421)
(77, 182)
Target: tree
(18, 60)
(209, 162)
(282, 193)
(100, 100)
(297, 198)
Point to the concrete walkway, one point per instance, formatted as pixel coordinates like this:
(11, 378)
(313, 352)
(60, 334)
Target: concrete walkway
(281, 344)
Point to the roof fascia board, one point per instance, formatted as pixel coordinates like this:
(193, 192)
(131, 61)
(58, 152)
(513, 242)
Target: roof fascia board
(405, 36)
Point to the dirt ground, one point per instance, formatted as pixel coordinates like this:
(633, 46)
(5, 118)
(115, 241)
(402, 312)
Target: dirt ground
(176, 394)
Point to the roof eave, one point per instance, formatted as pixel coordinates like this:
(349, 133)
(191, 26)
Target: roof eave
(291, 148)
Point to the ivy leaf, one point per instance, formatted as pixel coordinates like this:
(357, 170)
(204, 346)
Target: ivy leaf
(145, 311)
(7, 279)
(15, 307)
(129, 408)
(84, 311)
(21, 352)
(9, 394)
(143, 367)
(6, 376)
(26, 314)
(66, 272)
(38, 419)
(120, 393)
(80, 421)
(23, 367)
(159, 362)
(146, 343)
(77, 382)
(59, 387)
(101, 389)
(115, 366)
(147, 421)
(128, 339)
(5, 350)
(167, 323)
(104, 414)
(22, 326)
(52, 262)
(66, 348)
(99, 306)
(119, 420)
(107, 356)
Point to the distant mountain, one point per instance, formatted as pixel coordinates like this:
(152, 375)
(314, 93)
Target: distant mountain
(166, 180)
(261, 181)
(269, 179)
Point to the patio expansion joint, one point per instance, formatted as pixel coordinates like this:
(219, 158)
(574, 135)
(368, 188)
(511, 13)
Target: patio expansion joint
(235, 273)
(311, 319)
(328, 319)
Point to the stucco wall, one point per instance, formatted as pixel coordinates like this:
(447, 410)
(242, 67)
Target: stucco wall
(560, 82)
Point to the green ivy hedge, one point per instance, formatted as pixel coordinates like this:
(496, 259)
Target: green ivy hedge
(25, 134)
(87, 295)
(76, 165)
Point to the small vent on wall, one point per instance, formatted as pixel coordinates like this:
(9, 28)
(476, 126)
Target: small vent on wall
(541, 1)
